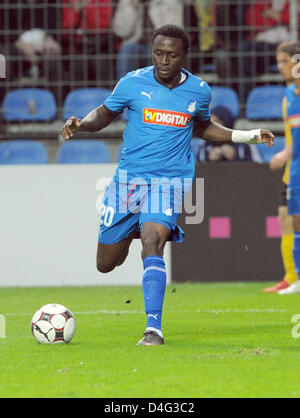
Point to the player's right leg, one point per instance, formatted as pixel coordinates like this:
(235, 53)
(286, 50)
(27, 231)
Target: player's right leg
(110, 256)
(117, 230)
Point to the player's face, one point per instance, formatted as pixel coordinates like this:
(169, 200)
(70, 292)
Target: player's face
(168, 56)
(285, 66)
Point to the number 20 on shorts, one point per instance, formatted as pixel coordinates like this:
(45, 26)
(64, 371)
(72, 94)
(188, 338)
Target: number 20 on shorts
(106, 215)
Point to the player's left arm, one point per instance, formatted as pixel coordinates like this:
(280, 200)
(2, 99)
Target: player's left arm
(212, 131)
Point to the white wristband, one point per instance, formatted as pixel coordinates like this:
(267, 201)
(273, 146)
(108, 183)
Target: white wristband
(247, 137)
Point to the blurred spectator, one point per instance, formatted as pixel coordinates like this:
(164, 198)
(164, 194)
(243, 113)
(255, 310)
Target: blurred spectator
(192, 25)
(230, 31)
(33, 39)
(2, 51)
(205, 14)
(37, 47)
(87, 40)
(218, 151)
(134, 21)
(268, 22)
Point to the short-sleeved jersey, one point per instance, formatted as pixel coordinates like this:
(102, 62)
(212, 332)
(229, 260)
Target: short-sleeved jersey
(157, 137)
(288, 141)
(293, 114)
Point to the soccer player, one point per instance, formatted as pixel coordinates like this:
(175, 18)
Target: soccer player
(164, 103)
(293, 191)
(284, 54)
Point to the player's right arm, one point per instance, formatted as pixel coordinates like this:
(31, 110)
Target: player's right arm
(102, 116)
(96, 120)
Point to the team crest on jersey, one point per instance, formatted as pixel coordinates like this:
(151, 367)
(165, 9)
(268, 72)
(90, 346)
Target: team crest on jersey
(192, 107)
(166, 118)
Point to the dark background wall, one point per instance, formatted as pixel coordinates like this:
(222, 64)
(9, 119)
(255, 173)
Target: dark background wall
(247, 193)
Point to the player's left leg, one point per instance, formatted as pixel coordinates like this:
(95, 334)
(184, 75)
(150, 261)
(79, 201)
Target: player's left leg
(157, 224)
(154, 237)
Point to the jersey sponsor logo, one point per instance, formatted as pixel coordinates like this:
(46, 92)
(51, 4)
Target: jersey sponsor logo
(166, 118)
(294, 121)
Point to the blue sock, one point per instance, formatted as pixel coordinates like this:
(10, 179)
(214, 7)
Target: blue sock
(296, 252)
(154, 286)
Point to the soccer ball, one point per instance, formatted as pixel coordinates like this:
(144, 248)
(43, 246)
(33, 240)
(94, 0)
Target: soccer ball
(53, 324)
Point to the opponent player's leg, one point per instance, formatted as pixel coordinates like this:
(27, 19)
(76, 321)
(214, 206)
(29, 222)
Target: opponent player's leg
(154, 237)
(296, 251)
(294, 209)
(110, 256)
(286, 246)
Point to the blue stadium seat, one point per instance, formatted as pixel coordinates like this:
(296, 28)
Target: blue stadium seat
(23, 151)
(267, 153)
(208, 68)
(80, 102)
(29, 105)
(273, 68)
(83, 151)
(195, 145)
(265, 102)
(224, 96)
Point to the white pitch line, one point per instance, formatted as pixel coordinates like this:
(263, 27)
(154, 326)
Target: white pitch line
(204, 311)
(216, 311)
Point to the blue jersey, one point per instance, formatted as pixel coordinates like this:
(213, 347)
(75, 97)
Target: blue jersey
(293, 114)
(157, 138)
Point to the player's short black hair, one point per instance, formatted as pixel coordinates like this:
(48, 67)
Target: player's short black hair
(173, 31)
(290, 48)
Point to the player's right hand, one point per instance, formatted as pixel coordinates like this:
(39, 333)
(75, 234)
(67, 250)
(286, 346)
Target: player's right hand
(71, 127)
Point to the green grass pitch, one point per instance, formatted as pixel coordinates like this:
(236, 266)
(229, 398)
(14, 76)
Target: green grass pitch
(222, 340)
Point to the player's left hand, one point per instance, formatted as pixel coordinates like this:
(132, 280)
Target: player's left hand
(266, 137)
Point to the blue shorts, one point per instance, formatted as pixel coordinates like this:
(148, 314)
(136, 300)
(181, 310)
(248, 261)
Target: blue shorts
(293, 201)
(126, 207)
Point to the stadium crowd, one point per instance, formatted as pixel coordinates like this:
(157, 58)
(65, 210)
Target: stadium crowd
(81, 43)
